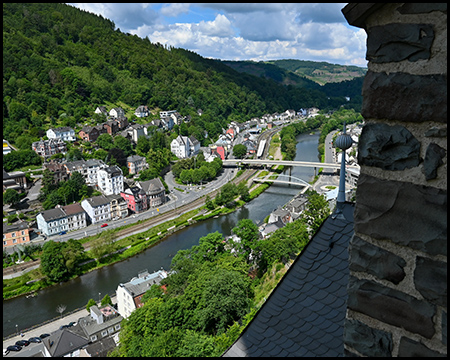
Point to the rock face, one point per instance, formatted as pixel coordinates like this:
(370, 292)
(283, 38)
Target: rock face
(405, 97)
(397, 42)
(397, 293)
(388, 147)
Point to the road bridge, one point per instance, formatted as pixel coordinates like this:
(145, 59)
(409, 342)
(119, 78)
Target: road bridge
(235, 162)
(275, 178)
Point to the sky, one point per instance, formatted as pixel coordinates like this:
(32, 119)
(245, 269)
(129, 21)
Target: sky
(243, 31)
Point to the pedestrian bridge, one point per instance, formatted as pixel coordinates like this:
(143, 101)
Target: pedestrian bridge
(235, 162)
(275, 178)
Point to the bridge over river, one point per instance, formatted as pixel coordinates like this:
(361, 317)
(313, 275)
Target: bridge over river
(235, 162)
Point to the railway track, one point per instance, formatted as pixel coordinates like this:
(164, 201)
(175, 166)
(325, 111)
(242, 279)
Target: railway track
(163, 217)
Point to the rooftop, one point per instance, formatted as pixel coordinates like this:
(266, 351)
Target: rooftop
(304, 315)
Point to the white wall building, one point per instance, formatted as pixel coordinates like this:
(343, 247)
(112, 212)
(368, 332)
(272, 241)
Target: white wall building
(184, 147)
(98, 208)
(62, 218)
(110, 180)
(129, 295)
(64, 133)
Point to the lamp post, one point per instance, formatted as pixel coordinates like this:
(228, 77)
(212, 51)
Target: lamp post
(99, 294)
(17, 329)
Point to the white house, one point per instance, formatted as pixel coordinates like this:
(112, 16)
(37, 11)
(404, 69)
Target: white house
(141, 111)
(97, 208)
(110, 180)
(163, 114)
(180, 147)
(62, 218)
(129, 295)
(117, 112)
(184, 147)
(64, 133)
(101, 110)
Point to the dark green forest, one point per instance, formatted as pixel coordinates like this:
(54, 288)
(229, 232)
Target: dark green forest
(60, 63)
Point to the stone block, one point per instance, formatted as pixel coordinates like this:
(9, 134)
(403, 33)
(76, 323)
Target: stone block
(433, 159)
(405, 97)
(411, 348)
(388, 147)
(430, 279)
(406, 214)
(367, 341)
(421, 8)
(391, 306)
(444, 328)
(383, 264)
(398, 42)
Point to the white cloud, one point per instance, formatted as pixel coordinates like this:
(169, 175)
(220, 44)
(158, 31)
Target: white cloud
(244, 31)
(174, 9)
(220, 27)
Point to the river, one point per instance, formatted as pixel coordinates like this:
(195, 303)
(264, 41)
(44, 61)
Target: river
(94, 285)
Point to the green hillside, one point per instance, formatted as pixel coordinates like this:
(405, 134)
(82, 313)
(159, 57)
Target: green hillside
(320, 72)
(60, 63)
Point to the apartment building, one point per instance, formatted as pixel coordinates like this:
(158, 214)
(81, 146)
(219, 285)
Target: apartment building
(16, 234)
(110, 180)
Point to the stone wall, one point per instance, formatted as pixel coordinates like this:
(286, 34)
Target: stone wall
(398, 257)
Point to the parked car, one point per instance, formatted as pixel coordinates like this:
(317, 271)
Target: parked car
(14, 348)
(22, 343)
(104, 225)
(72, 323)
(35, 339)
(63, 327)
(43, 336)
(62, 233)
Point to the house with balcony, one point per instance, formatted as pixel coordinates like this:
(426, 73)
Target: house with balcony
(47, 148)
(16, 234)
(136, 164)
(64, 133)
(110, 180)
(129, 295)
(119, 208)
(61, 218)
(155, 191)
(185, 147)
(101, 323)
(142, 111)
(136, 199)
(98, 208)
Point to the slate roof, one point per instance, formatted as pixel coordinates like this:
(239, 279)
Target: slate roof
(304, 315)
(65, 341)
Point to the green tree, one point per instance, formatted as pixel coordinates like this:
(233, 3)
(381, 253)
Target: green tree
(73, 252)
(123, 144)
(239, 151)
(316, 212)
(53, 264)
(248, 233)
(105, 141)
(90, 303)
(103, 245)
(106, 300)
(11, 196)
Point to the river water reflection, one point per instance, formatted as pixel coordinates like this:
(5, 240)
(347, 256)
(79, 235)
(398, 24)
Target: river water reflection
(76, 293)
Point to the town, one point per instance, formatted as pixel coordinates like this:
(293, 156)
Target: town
(120, 196)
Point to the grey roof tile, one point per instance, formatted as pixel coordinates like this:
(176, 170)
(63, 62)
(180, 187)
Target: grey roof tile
(305, 313)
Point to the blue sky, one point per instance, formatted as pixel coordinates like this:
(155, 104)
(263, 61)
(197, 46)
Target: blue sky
(243, 31)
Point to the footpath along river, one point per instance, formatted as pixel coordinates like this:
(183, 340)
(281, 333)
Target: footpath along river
(27, 312)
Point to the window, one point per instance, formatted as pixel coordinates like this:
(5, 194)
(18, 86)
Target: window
(117, 327)
(23, 232)
(5, 243)
(13, 234)
(14, 241)
(110, 330)
(104, 333)
(94, 338)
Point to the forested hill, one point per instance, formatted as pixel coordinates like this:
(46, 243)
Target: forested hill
(60, 63)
